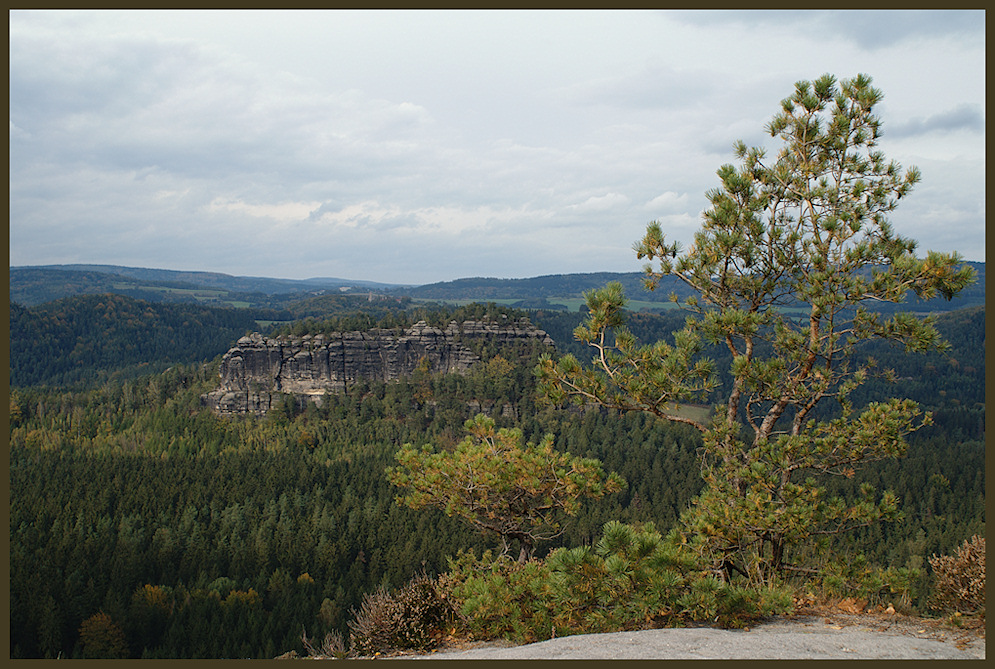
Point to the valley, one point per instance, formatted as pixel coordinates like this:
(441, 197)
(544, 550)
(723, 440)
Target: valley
(185, 533)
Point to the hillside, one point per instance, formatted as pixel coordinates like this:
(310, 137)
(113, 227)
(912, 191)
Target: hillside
(205, 537)
(565, 291)
(31, 286)
(198, 536)
(80, 339)
(551, 288)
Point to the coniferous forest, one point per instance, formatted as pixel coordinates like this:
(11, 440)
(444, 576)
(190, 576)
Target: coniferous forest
(143, 525)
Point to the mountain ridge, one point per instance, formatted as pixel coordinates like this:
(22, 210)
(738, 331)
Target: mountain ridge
(36, 284)
(207, 278)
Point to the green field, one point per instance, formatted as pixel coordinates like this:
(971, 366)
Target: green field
(695, 412)
(265, 325)
(205, 295)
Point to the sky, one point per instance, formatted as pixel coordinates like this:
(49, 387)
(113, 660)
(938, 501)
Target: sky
(411, 147)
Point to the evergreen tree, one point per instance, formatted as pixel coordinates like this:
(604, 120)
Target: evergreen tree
(521, 493)
(790, 255)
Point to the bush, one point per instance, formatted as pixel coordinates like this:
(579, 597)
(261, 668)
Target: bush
(333, 646)
(412, 618)
(960, 578)
(853, 577)
(631, 579)
(500, 597)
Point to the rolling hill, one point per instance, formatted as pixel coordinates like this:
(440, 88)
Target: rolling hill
(30, 286)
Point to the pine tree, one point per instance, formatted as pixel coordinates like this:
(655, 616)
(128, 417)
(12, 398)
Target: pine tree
(492, 481)
(792, 255)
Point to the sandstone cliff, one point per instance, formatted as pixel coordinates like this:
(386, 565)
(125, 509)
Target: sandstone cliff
(257, 370)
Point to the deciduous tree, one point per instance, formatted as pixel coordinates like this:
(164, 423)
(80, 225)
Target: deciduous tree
(792, 255)
(102, 638)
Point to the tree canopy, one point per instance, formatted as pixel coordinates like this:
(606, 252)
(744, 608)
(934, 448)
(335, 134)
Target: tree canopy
(498, 485)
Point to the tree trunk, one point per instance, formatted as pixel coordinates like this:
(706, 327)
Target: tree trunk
(527, 547)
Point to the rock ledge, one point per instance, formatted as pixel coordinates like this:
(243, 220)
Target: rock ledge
(257, 371)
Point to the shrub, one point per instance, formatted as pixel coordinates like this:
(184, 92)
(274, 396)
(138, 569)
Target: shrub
(333, 646)
(960, 578)
(632, 578)
(412, 618)
(500, 597)
(853, 577)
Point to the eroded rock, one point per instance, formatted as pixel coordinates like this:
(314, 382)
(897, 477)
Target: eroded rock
(257, 370)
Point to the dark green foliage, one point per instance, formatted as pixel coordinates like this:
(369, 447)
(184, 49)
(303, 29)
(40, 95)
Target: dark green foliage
(339, 314)
(414, 617)
(204, 537)
(535, 291)
(631, 578)
(85, 528)
(946, 380)
(556, 285)
(35, 285)
(369, 309)
(81, 339)
(658, 462)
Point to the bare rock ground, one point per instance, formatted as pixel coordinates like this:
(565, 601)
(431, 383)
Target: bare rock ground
(810, 634)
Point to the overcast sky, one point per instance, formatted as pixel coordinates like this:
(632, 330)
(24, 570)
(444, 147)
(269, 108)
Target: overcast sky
(414, 147)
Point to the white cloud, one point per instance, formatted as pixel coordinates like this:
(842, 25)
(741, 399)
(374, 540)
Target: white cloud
(668, 201)
(285, 211)
(599, 203)
(679, 226)
(485, 142)
(165, 195)
(368, 214)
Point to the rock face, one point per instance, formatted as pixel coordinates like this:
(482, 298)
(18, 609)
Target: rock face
(257, 370)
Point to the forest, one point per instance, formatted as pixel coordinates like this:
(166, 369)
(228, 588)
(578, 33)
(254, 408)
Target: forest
(143, 525)
(803, 421)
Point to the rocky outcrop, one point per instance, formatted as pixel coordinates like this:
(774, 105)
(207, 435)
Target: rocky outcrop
(258, 370)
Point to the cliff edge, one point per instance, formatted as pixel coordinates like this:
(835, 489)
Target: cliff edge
(257, 371)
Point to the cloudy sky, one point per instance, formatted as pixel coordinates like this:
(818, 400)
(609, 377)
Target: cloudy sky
(413, 147)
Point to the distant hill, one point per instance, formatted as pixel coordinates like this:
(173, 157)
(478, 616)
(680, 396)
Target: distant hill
(78, 339)
(567, 290)
(243, 284)
(552, 285)
(33, 285)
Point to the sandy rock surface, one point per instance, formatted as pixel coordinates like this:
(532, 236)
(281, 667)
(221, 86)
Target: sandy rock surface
(804, 636)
